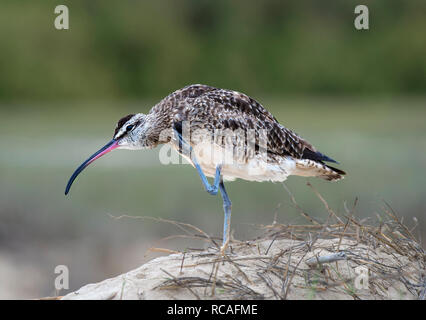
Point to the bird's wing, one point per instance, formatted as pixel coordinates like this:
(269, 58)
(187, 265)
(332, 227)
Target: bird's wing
(213, 108)
(225, 109)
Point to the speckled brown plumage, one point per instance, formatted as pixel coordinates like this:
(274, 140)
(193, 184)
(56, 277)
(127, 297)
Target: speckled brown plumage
(213, 109)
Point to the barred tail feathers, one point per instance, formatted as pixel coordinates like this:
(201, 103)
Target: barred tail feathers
(310, 168)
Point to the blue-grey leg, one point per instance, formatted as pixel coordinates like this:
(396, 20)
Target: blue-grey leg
(227, 221)
(211, 189)
(186, 148)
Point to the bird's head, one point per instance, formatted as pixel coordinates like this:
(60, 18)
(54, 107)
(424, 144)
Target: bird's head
(130, 133)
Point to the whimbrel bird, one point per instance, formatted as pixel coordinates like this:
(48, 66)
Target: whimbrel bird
(200, 122)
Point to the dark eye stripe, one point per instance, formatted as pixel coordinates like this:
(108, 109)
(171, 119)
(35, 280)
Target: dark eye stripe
(121, 122)
(129, 127)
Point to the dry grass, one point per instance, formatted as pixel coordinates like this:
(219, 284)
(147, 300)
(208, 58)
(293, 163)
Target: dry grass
(319, 260)
(316, 260)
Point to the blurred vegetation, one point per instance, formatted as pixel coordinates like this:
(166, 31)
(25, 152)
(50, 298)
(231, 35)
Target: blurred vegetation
(139, 49)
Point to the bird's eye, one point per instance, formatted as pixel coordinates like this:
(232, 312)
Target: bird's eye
(129, 127)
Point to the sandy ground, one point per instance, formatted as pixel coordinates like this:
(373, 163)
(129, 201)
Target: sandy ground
(31, 279)
(270, 269)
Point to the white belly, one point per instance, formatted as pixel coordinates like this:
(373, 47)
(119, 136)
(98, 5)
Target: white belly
(255, 168)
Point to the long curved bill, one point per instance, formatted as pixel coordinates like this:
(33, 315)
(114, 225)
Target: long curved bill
(104, 150)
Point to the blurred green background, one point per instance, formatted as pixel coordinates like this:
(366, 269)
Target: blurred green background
(359, 96)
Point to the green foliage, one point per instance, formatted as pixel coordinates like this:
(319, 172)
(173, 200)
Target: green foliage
(133, 49)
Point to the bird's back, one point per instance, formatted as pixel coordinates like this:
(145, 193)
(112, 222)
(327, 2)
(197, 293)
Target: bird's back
(213, 110)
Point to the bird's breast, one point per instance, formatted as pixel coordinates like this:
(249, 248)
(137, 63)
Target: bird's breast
(238, 163)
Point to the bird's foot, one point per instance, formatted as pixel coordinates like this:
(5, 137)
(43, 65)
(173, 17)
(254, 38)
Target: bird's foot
(223, 248)
(213, 189)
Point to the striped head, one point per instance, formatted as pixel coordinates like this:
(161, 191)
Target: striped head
(130, 133)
